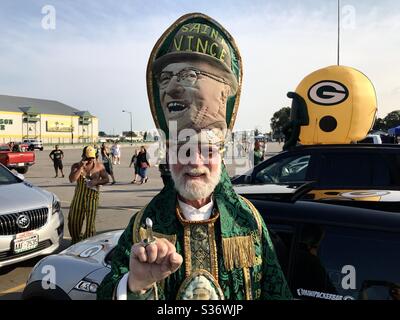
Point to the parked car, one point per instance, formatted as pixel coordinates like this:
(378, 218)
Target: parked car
(336, 248)
(18, 158)
(352, 166)
(332, 249)
(31, 219)
(34, 144)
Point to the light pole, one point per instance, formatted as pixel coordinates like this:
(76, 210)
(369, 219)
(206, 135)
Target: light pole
(130, 113)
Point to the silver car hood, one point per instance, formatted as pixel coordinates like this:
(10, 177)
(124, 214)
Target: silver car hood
(94, 249)
(23, 196)
(78, 261)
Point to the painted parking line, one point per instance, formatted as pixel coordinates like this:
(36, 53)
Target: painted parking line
(11, 290)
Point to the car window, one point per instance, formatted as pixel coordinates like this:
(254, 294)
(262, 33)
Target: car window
(338, 263)
(282, 239)
(341, 170)
(6, 177)
(286, 170)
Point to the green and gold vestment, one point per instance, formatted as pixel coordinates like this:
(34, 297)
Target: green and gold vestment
(232, 249)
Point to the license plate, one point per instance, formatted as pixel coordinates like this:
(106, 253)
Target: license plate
(25, 242)
(20, 164)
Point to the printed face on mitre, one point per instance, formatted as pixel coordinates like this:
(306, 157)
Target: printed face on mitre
(193, 95)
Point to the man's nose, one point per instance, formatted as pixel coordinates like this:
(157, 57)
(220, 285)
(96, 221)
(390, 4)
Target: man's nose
(174, 88)
(196, 159)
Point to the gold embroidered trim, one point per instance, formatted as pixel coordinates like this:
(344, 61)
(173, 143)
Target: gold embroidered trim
(188, 252)
(256, 214)
(238, 252)
(136, 224)
(247, 283)
(211, 241)
(213, 251)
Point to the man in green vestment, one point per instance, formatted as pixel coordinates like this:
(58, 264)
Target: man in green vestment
(197, 239)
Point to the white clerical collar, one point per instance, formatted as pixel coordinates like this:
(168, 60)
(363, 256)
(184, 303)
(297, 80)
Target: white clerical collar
(193, 214)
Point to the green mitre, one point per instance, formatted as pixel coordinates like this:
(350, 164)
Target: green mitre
(196, 37)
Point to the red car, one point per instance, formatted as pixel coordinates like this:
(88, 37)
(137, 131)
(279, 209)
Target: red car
(16, 156)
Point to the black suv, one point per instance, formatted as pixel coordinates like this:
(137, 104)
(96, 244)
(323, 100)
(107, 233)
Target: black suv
(334, 250)
(331, 166)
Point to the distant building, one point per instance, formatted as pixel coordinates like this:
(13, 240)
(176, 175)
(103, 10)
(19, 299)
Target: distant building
(137, 136)
(47, 120)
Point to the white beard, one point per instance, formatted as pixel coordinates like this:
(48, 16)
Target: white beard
(194, 189)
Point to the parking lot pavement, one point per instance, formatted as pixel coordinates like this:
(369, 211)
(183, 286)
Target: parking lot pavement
(117, 202)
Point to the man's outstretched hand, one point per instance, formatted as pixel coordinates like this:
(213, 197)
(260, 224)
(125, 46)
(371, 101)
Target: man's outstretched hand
(151, 264)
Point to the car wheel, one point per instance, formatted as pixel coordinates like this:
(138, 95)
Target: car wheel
(41, 149)
(35, 291)
(22, 170)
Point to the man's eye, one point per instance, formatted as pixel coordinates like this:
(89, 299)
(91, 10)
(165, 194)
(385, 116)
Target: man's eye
(189, 75)
(208, 151)
(165, 78)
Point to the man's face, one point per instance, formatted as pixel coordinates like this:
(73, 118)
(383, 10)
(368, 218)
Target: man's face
(89, 161)
(199, 105)
(197, 179)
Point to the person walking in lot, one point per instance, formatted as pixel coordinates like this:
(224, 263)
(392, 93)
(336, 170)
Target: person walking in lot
(117, 153)
(107, 161)
(96, 147)
(135, 166)
(57, 157)
(143, 164)
(258, 153)
(88, 174)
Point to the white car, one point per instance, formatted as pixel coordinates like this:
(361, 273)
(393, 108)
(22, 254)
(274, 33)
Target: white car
(34, 144)
(31, 219)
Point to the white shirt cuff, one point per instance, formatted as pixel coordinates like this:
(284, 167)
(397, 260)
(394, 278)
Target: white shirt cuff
(122, 289)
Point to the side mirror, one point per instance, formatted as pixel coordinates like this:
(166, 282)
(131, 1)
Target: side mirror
(20, 176)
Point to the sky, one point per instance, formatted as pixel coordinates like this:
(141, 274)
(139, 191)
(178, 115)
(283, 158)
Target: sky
(94, 56)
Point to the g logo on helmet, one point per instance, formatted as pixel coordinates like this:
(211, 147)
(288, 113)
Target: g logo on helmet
(23, 221)
(328, 93)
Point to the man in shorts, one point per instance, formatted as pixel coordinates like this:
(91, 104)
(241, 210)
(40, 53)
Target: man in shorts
(57, 156)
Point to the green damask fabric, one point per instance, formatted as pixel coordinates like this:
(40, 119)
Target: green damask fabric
(236, 219)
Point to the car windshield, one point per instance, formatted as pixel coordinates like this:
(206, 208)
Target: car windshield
(288, 170)
(6, 177)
